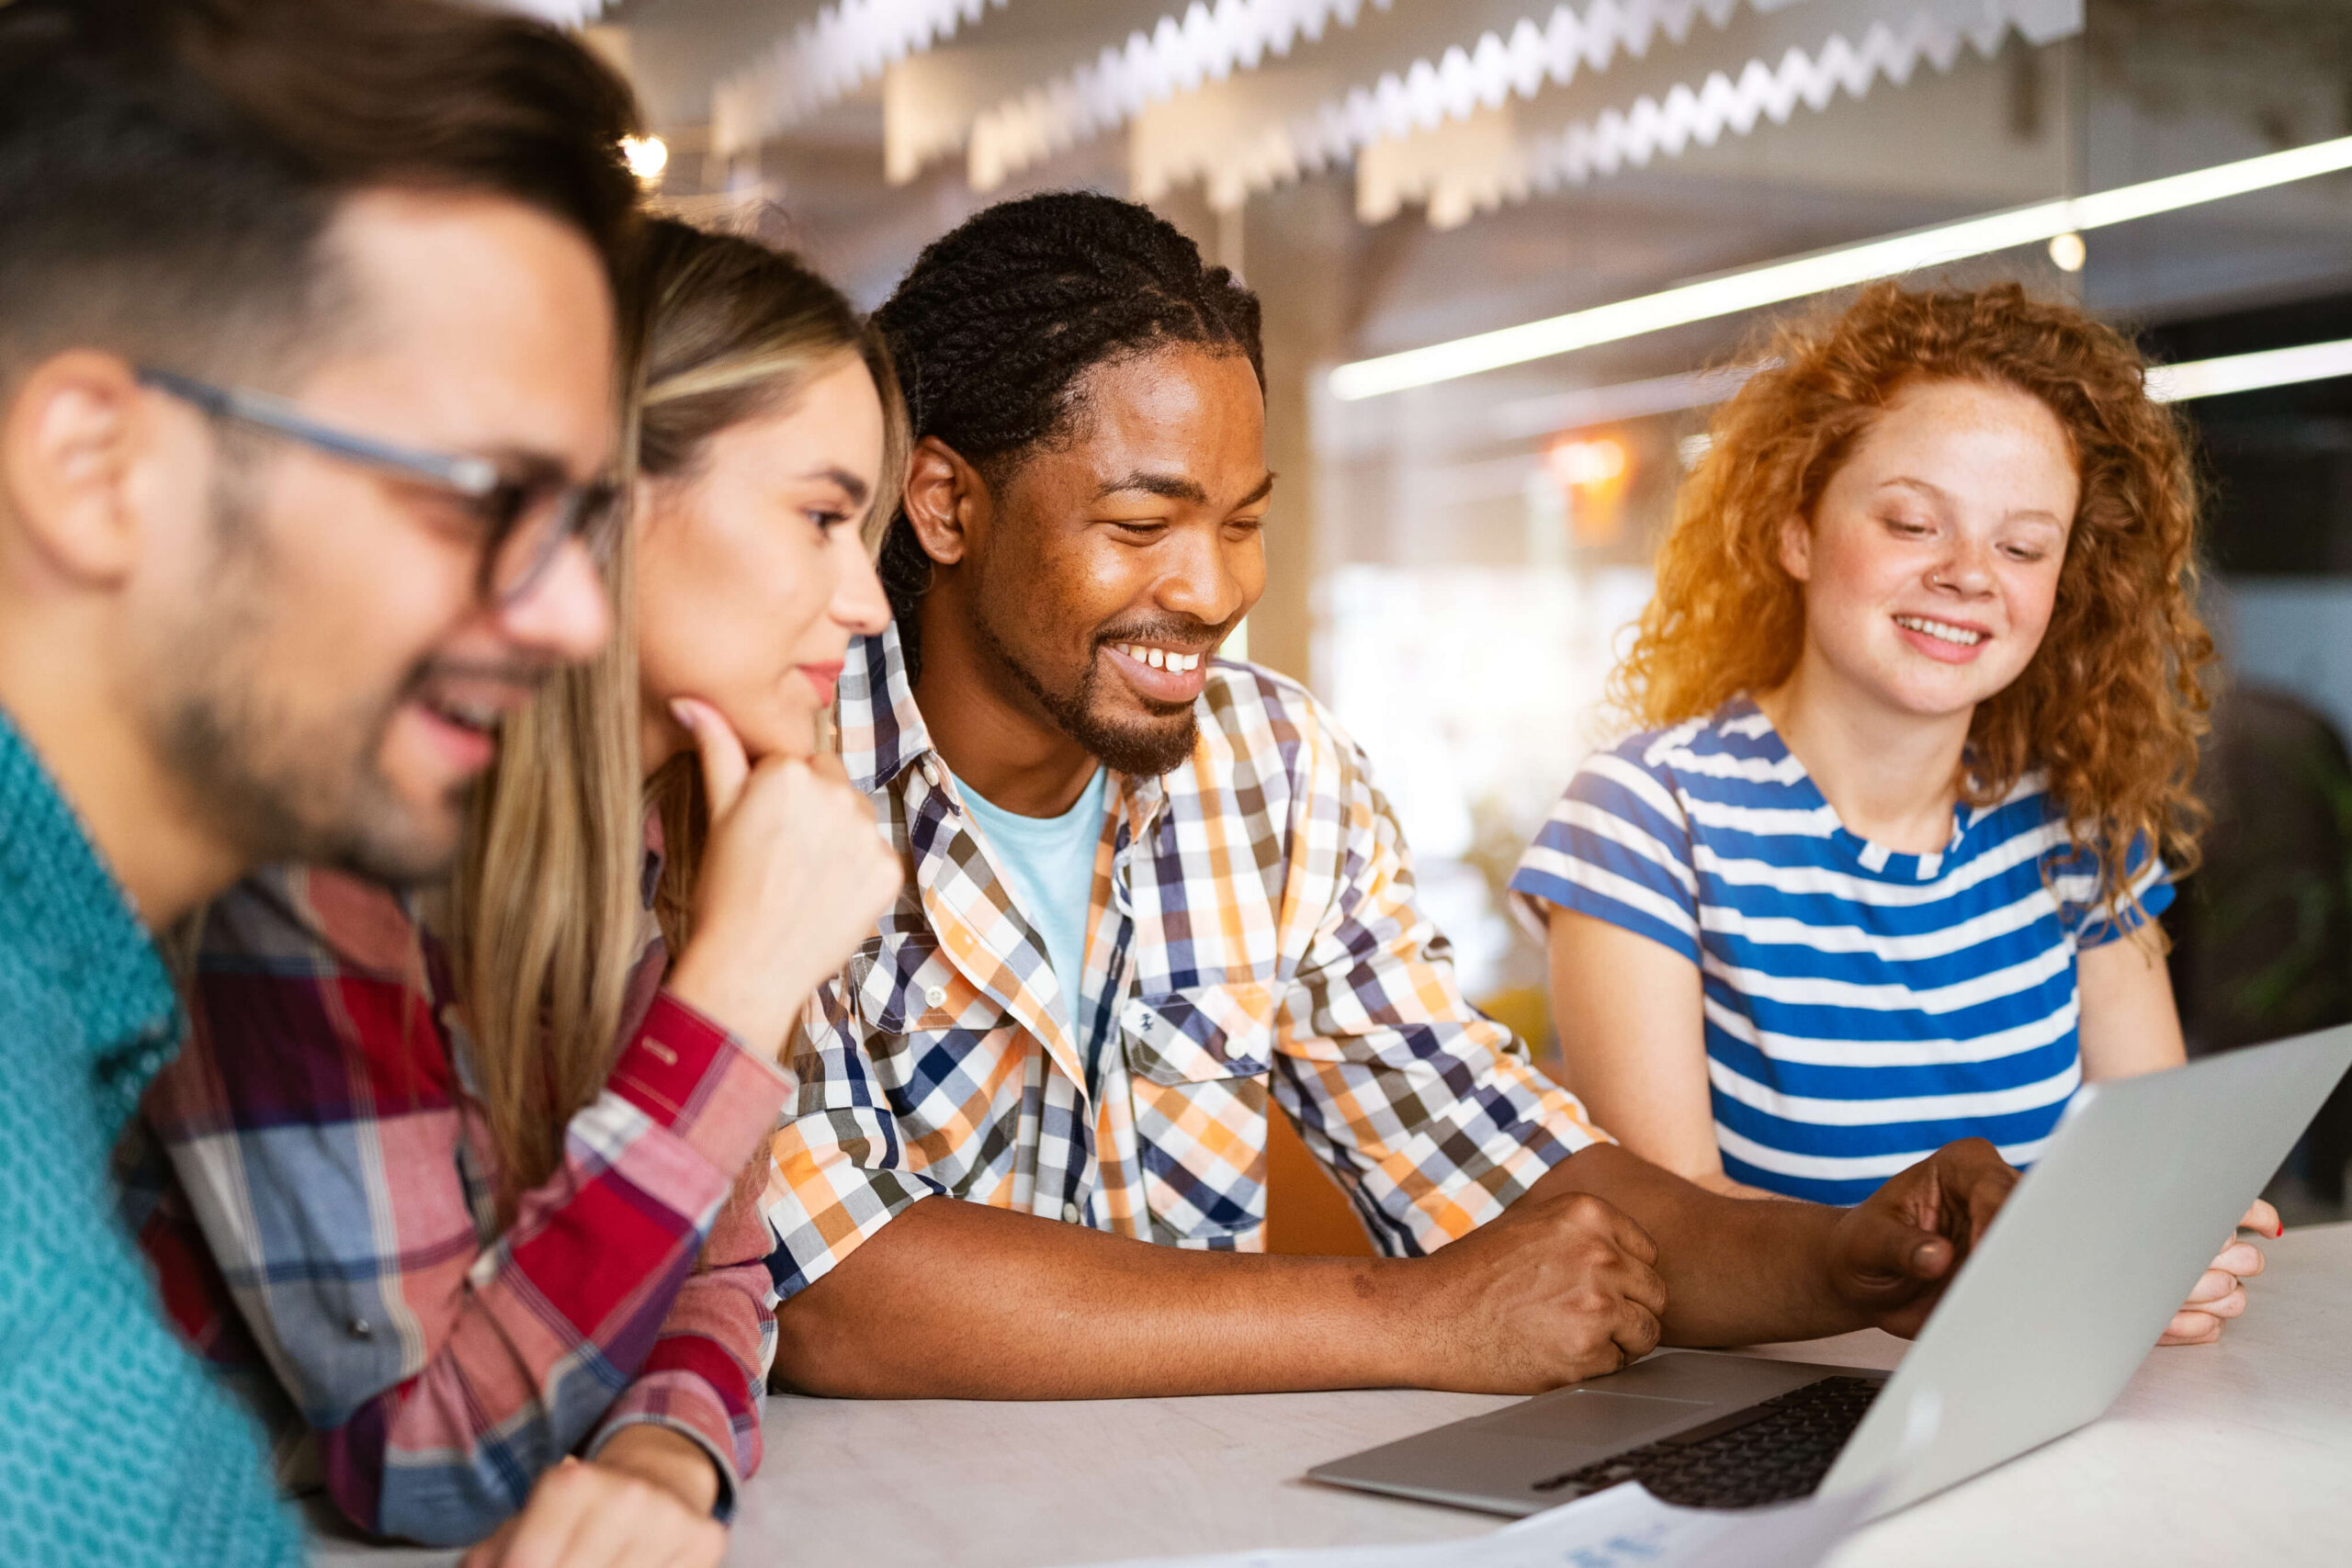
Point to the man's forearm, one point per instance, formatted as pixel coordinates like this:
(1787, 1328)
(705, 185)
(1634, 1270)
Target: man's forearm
(1737, 1271)
(953, 1299)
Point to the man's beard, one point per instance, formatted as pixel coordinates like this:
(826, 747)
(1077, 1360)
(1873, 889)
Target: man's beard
(1137, 750)
(316, 796)
(275, 788)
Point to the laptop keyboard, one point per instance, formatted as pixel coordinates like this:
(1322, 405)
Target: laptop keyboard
(1769, 1452)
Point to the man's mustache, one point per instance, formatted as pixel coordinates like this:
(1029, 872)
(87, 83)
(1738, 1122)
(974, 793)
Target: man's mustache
(1185, 632)
(525, 676)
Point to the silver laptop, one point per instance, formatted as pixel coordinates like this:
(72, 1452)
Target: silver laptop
(2045, 1324)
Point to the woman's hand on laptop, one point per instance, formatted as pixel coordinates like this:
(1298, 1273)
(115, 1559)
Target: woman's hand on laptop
(2220, 1295)
(1892, 1253)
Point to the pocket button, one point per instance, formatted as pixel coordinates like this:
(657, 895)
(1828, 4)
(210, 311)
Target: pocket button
(935, 996)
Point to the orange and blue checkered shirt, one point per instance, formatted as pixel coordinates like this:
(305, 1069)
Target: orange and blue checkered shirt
(1252, 941)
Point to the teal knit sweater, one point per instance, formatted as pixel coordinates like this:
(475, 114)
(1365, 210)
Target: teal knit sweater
(116, 1447)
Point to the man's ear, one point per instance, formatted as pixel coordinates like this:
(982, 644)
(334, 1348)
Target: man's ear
(943, 495)
(71, 441)
(1796, 548)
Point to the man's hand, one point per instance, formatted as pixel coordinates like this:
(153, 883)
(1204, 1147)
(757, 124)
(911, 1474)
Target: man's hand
(1561, 1287)
(590, 1516)
(2220, 1295)
(1892, 1255)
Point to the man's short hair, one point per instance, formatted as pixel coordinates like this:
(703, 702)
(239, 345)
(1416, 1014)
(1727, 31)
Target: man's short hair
(169, 167)
(998, 319)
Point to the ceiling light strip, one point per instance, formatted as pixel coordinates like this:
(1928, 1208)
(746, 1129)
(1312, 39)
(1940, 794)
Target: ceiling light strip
(2250, 372)
(1588, 408)
(1778, 282)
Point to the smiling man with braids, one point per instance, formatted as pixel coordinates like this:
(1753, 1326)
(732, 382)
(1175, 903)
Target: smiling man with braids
(1151, 897)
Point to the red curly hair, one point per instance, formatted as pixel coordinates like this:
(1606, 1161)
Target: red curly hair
(2112, 704)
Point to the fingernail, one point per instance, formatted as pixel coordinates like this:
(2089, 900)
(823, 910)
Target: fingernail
(682, 711)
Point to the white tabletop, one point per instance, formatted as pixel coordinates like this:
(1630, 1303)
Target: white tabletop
(2240, 1452)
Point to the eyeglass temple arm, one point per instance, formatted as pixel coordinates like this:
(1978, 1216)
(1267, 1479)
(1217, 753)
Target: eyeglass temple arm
(474, 476)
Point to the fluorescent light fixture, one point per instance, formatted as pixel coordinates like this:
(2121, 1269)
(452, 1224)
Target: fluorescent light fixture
(2181, 383)
(1778, 282)
(2250, 372)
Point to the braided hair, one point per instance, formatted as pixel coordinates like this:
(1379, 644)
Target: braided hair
(998, 319)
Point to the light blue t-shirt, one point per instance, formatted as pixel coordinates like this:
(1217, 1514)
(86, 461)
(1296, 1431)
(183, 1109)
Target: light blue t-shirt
(1050, 861)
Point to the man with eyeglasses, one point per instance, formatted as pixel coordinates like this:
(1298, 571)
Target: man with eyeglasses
(306, 406)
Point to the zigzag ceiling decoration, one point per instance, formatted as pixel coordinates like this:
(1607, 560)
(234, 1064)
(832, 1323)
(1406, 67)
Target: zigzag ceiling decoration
(1894, 37)
(1266, 127)
(847, 45)
(1454, 69)
(1175, 57)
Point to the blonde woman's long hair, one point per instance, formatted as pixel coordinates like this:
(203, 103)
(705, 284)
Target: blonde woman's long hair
(546, 914)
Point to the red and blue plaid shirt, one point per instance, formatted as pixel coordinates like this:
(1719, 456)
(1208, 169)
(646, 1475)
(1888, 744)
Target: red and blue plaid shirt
(328, 1211)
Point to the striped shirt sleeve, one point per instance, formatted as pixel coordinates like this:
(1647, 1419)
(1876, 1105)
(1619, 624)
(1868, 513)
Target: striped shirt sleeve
(2082, 902)
(1617, 847)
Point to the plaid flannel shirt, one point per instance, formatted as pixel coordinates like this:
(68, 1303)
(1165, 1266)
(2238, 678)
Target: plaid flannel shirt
(1252, 940)
(328, 1208)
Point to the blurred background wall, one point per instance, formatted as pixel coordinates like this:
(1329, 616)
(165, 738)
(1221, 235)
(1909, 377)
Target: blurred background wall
(1453, 564)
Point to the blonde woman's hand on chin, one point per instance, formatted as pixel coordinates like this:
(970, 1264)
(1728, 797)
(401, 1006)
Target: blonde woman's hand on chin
(793, 877)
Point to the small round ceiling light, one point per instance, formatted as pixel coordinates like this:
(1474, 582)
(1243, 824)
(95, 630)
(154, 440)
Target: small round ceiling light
(647, 157)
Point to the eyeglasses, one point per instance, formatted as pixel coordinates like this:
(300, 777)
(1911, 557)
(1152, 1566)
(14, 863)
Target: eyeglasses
(527, 509)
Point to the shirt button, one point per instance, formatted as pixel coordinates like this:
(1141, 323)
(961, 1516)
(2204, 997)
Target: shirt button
(936, 997)
(1069, 1213)
(361, 1328)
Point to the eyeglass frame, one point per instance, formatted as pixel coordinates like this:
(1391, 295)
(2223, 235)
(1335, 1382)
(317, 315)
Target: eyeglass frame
(590, 511)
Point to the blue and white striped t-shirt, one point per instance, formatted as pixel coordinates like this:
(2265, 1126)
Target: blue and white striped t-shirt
(1863, 1007)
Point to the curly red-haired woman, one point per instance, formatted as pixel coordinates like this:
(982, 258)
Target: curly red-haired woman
(1921, 695)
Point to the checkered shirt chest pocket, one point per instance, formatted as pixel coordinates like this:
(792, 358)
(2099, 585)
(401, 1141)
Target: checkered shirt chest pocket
(1198, 1061)
(939, 1048)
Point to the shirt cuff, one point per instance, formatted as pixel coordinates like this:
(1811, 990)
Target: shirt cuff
(683, 1405)
(690, 1075)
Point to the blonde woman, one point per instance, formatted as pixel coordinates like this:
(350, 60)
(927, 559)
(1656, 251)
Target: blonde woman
(465, 1171)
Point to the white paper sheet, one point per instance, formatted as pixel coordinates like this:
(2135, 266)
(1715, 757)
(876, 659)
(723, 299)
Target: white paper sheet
(1621, 1528)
